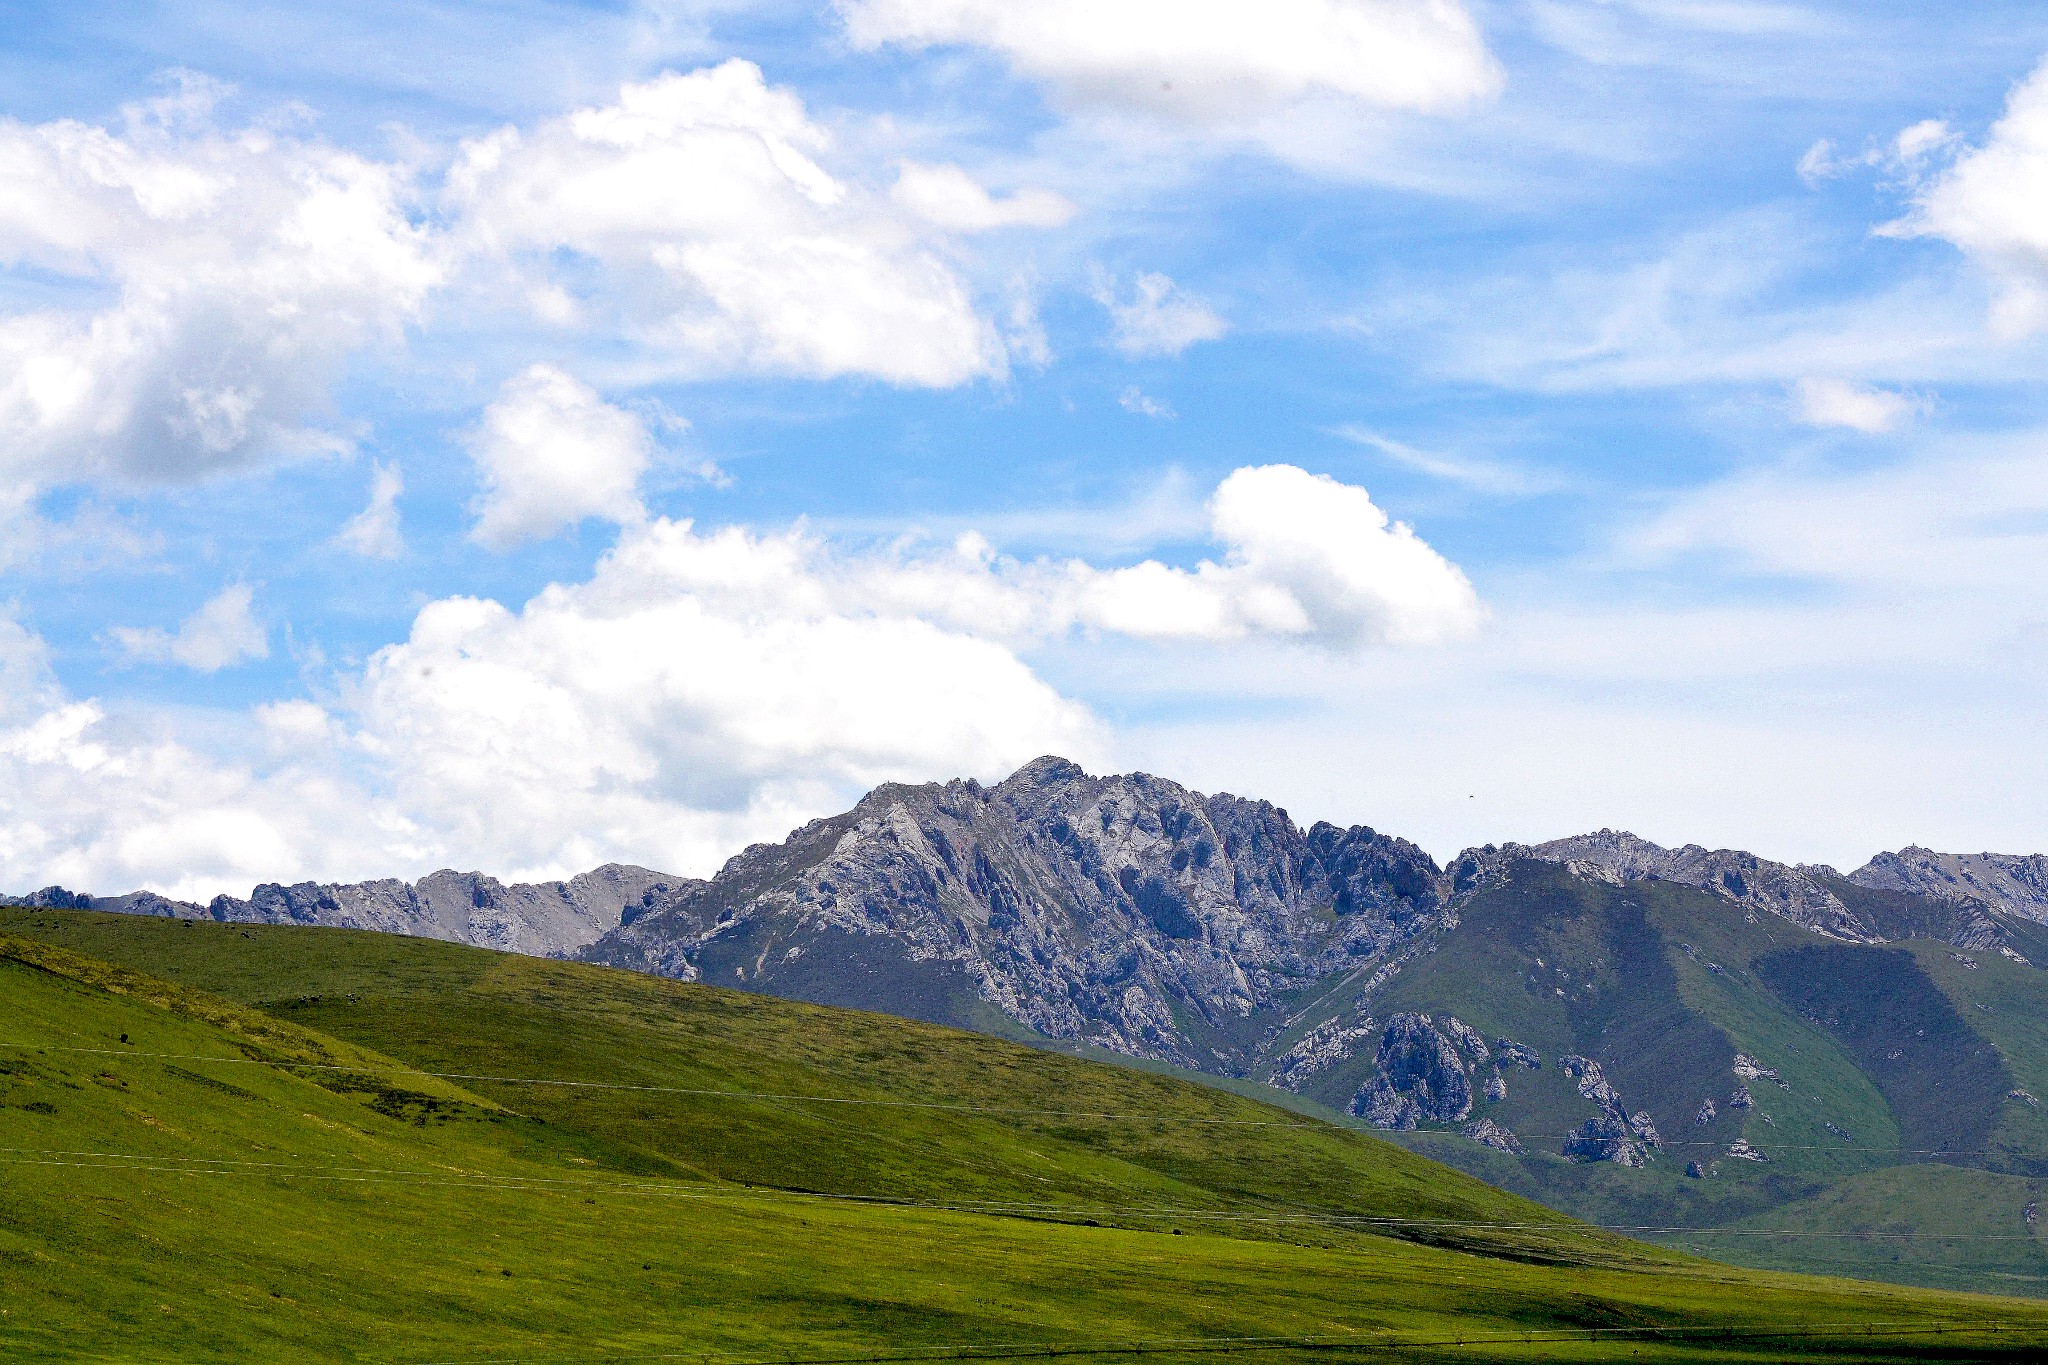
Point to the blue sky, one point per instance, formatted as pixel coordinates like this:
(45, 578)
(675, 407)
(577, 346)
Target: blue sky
(519, 436)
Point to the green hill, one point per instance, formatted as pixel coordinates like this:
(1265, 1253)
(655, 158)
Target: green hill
(1894, 1114)
(223, 1143)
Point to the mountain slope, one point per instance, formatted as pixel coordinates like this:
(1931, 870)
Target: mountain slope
(188, 1183)
(1584, 1021)
(1658, 1056)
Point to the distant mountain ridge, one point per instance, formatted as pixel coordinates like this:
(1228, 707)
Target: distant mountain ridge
(1123, 910)
(1264, 924)
(546, 919)
(1131, 913)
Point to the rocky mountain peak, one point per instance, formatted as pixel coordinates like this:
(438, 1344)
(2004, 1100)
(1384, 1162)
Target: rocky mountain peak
(1046, 771)
(1116, 909)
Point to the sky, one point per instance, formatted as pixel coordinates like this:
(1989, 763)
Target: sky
(519, 436)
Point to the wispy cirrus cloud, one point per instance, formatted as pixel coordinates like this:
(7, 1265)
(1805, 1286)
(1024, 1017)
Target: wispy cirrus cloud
(1493, 477)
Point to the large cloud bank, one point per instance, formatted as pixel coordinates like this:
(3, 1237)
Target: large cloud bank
(199, 287)
(699, 690)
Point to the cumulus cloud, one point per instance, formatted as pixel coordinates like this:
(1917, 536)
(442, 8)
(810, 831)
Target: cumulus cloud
(1208, 63)
(222, 633)
(101, 801)
(1992, 202)
(1306, 557)
(214, 282)
(721, 242)
(1303, 558)
(1825, 402)
(700, 690)
(695, 679)
(373, 532)
(551, 453)
(1158, 317)
(951, 198)
(199, 286)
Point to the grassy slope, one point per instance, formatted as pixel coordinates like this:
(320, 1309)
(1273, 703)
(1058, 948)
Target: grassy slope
(248, 1206)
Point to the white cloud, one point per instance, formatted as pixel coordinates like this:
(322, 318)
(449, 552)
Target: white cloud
(552, 453)
(222, 633)
(721, 242)
(1904, 159)
(373, 532)
(696, 684)
(216, 281)
(1307, 557)
(699, 691)
(1208, 63)
(1140, 404)
(1992, 201)
(196, 288)
(1158, 318)
(1304, 558)
(106, 802)
(1827, 402)
(703, 688)
(1957, 522)
(951, 198)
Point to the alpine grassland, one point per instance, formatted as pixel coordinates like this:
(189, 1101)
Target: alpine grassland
(235, 1143)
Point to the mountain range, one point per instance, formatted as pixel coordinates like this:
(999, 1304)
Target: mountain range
(1677, 1037)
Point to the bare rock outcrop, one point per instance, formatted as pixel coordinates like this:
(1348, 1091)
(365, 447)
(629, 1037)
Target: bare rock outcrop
(1422, 1076)
(1106, 909)
(2014, 883)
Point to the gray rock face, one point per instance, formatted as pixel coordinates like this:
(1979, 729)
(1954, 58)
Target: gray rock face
(1126, 911)
(2014, 883)
(1606, 1137)
(1949, 893)
(1321, 1047)
(1422, 1076)
(547, 919)
(1513, 1053)
(1487, 1133)
(1613, 1134)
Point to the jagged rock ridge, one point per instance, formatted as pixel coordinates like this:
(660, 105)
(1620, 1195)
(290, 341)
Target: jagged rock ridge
(1950, 894)
(1125, 911)
(541, 919)
(2014, 883)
